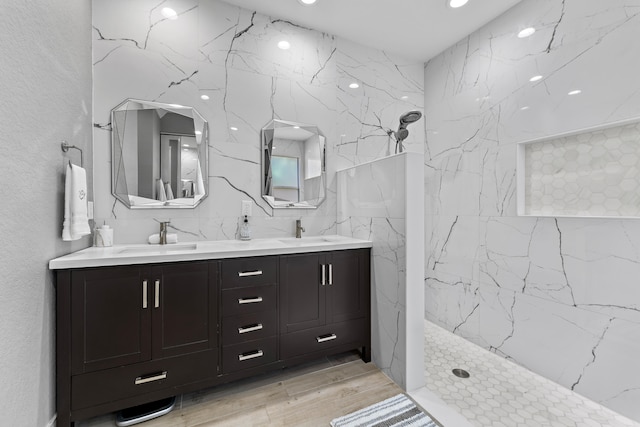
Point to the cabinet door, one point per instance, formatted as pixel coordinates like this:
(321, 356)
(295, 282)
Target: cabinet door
(184, 308)
(110, 320)
(347, 290)
(302, 296)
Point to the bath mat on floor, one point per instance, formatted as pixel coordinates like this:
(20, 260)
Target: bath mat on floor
(396, 411)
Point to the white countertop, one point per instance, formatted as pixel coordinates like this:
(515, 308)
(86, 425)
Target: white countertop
(193, 251)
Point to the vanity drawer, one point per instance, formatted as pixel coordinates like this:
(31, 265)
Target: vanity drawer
(316, 340)
(250, 299)
(133, 380)
(249, 271)
(248, 327)
(249, 355)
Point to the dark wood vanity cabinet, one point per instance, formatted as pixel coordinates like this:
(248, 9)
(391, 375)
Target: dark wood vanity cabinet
(127, 332)
(249, 312)
(128, 335)
(324, 301)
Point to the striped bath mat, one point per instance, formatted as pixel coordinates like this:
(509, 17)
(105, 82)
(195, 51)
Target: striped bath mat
(396, 411)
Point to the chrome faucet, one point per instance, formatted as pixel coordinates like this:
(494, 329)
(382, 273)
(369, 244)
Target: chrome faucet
(163, 232)
(299, 228)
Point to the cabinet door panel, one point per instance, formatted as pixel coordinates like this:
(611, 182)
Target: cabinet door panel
(184, 309)
(302, 297)
(110, 326)
(348, 295)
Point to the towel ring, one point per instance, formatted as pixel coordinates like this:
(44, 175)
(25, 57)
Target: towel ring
(65, 147)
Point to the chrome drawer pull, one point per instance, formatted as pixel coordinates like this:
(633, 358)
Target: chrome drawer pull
(148, 379)
(249, 300)
(144, 294)
(252, 355)
(324, 280)
(324, 338)
(251, 328)
(157, 301)
(249, 273)
(331, 274)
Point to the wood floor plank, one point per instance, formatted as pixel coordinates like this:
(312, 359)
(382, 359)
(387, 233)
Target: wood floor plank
(311, 395)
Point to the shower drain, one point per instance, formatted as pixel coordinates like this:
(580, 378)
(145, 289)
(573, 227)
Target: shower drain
(460, 373)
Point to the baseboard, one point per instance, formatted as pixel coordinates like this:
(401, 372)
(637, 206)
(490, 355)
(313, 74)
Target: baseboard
(52, 421)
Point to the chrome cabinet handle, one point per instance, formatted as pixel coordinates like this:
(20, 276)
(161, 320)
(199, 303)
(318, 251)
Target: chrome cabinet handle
(324, 338)
(147, 379)
(252, 355)
(324, 279)
(249, 300)
(250, 328)
(157, 301)
(249, 273)
(144, 294)
(330, 274)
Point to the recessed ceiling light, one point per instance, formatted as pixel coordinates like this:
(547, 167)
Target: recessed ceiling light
(535, 78)
(526, 32)
(284, 45)
(233, 128)
(457, 3)
(575, 92)
(204, 97)
(404, 97)
(354, 85)
(169, 13)
(307, 2)
(296, 127)
(526, 107)
(185, 145)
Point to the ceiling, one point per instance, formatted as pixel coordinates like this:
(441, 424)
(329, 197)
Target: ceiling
(414, 29)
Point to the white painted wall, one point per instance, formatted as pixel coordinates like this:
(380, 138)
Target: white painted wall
(45, 82)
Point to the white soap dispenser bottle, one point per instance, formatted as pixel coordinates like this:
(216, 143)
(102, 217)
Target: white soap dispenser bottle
(245, 230)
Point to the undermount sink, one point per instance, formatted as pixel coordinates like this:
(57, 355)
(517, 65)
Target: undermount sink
(170, 247)
(312, 240)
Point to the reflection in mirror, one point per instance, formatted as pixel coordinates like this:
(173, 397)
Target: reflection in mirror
(159, 155)
(293, 165)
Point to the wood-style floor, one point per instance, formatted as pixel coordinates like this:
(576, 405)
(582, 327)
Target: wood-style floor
(308, 395)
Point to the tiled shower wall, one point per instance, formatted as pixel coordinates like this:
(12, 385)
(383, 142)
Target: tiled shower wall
(557, 295)
(230, 54)
(383, 201)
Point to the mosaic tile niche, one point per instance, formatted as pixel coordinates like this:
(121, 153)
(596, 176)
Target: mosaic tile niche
(591, 173)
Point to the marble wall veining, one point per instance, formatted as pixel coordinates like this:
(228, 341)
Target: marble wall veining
(559, 296)
(382, 201)
(230, 55)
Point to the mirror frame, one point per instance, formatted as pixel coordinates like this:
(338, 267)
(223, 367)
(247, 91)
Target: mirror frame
(266, 145)
(118, 172)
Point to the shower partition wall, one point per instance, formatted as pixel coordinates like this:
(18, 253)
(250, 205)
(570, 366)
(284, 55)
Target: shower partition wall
(383, 201)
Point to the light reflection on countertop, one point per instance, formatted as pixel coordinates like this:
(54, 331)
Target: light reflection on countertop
(202, 250)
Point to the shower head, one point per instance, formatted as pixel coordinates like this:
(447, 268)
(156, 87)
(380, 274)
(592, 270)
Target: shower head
(406, 119)
(410, 117)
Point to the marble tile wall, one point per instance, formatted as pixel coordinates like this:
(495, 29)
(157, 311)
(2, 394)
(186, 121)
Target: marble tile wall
(376, 202)
(230, 54)
(559, 296)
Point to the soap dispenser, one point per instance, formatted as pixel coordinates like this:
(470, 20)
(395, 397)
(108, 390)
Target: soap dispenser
(245, 230)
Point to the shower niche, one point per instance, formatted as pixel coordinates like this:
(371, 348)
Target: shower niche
(592, 172)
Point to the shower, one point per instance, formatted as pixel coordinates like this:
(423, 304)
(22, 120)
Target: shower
(402, 133)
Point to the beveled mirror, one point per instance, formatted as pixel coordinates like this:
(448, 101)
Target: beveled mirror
(293, 165)
(159, 155)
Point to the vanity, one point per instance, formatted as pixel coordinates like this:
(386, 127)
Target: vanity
(140, 323)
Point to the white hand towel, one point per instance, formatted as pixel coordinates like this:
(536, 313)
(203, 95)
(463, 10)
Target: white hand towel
(160, 193)
(168, 191)
(76, 221)
(154, 239)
